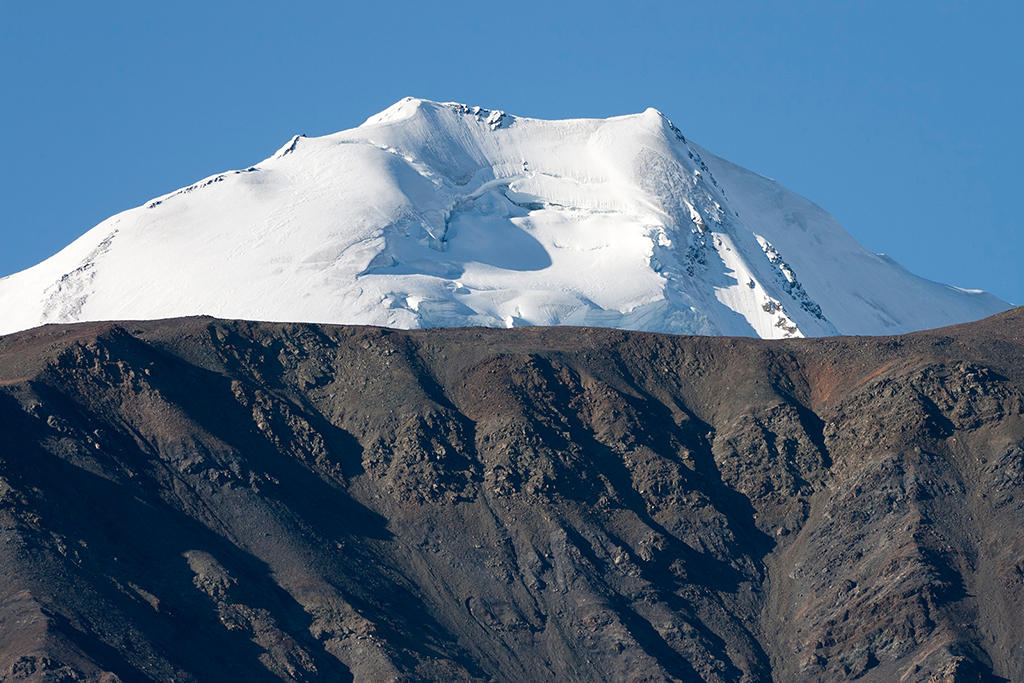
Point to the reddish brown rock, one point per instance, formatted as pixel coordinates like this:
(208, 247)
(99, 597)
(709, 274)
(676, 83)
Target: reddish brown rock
(199, 500)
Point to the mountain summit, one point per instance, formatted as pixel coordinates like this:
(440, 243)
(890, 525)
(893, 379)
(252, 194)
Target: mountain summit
(438, 214)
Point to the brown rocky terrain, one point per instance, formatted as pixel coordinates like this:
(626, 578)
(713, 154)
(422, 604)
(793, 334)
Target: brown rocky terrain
(205, 500)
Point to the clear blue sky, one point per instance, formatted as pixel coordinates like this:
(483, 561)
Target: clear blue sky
(903, 120)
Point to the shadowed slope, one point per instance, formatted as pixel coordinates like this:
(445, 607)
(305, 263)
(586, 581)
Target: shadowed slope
(199, 499)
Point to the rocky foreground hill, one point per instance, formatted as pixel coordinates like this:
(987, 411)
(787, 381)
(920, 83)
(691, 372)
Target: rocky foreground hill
(204, 500)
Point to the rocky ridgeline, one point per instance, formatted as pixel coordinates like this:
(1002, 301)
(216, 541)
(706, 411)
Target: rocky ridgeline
(198, 500)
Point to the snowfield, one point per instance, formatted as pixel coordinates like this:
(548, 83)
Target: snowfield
(434, 214)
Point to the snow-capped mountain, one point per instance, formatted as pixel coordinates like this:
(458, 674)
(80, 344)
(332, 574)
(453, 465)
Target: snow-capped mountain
(435, 214)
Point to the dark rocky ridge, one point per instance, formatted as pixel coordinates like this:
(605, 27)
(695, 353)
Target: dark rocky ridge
(203, 500)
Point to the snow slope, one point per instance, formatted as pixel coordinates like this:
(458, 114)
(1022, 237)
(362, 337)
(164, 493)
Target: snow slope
(436, 214)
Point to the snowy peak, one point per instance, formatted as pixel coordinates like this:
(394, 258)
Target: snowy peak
(442, 214)
(289, 147)
(405, 108)
(435, 114)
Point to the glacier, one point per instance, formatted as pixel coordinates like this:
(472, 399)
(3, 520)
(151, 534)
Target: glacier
(439, 214)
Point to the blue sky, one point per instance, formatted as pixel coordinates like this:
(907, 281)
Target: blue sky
(903, 120)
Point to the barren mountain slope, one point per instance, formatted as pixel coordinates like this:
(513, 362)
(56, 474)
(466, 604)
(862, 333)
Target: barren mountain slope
(201, 500)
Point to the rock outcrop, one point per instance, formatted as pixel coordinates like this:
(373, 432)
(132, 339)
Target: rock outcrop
(198, 499)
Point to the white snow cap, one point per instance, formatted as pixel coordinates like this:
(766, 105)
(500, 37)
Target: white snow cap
(440, 214)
